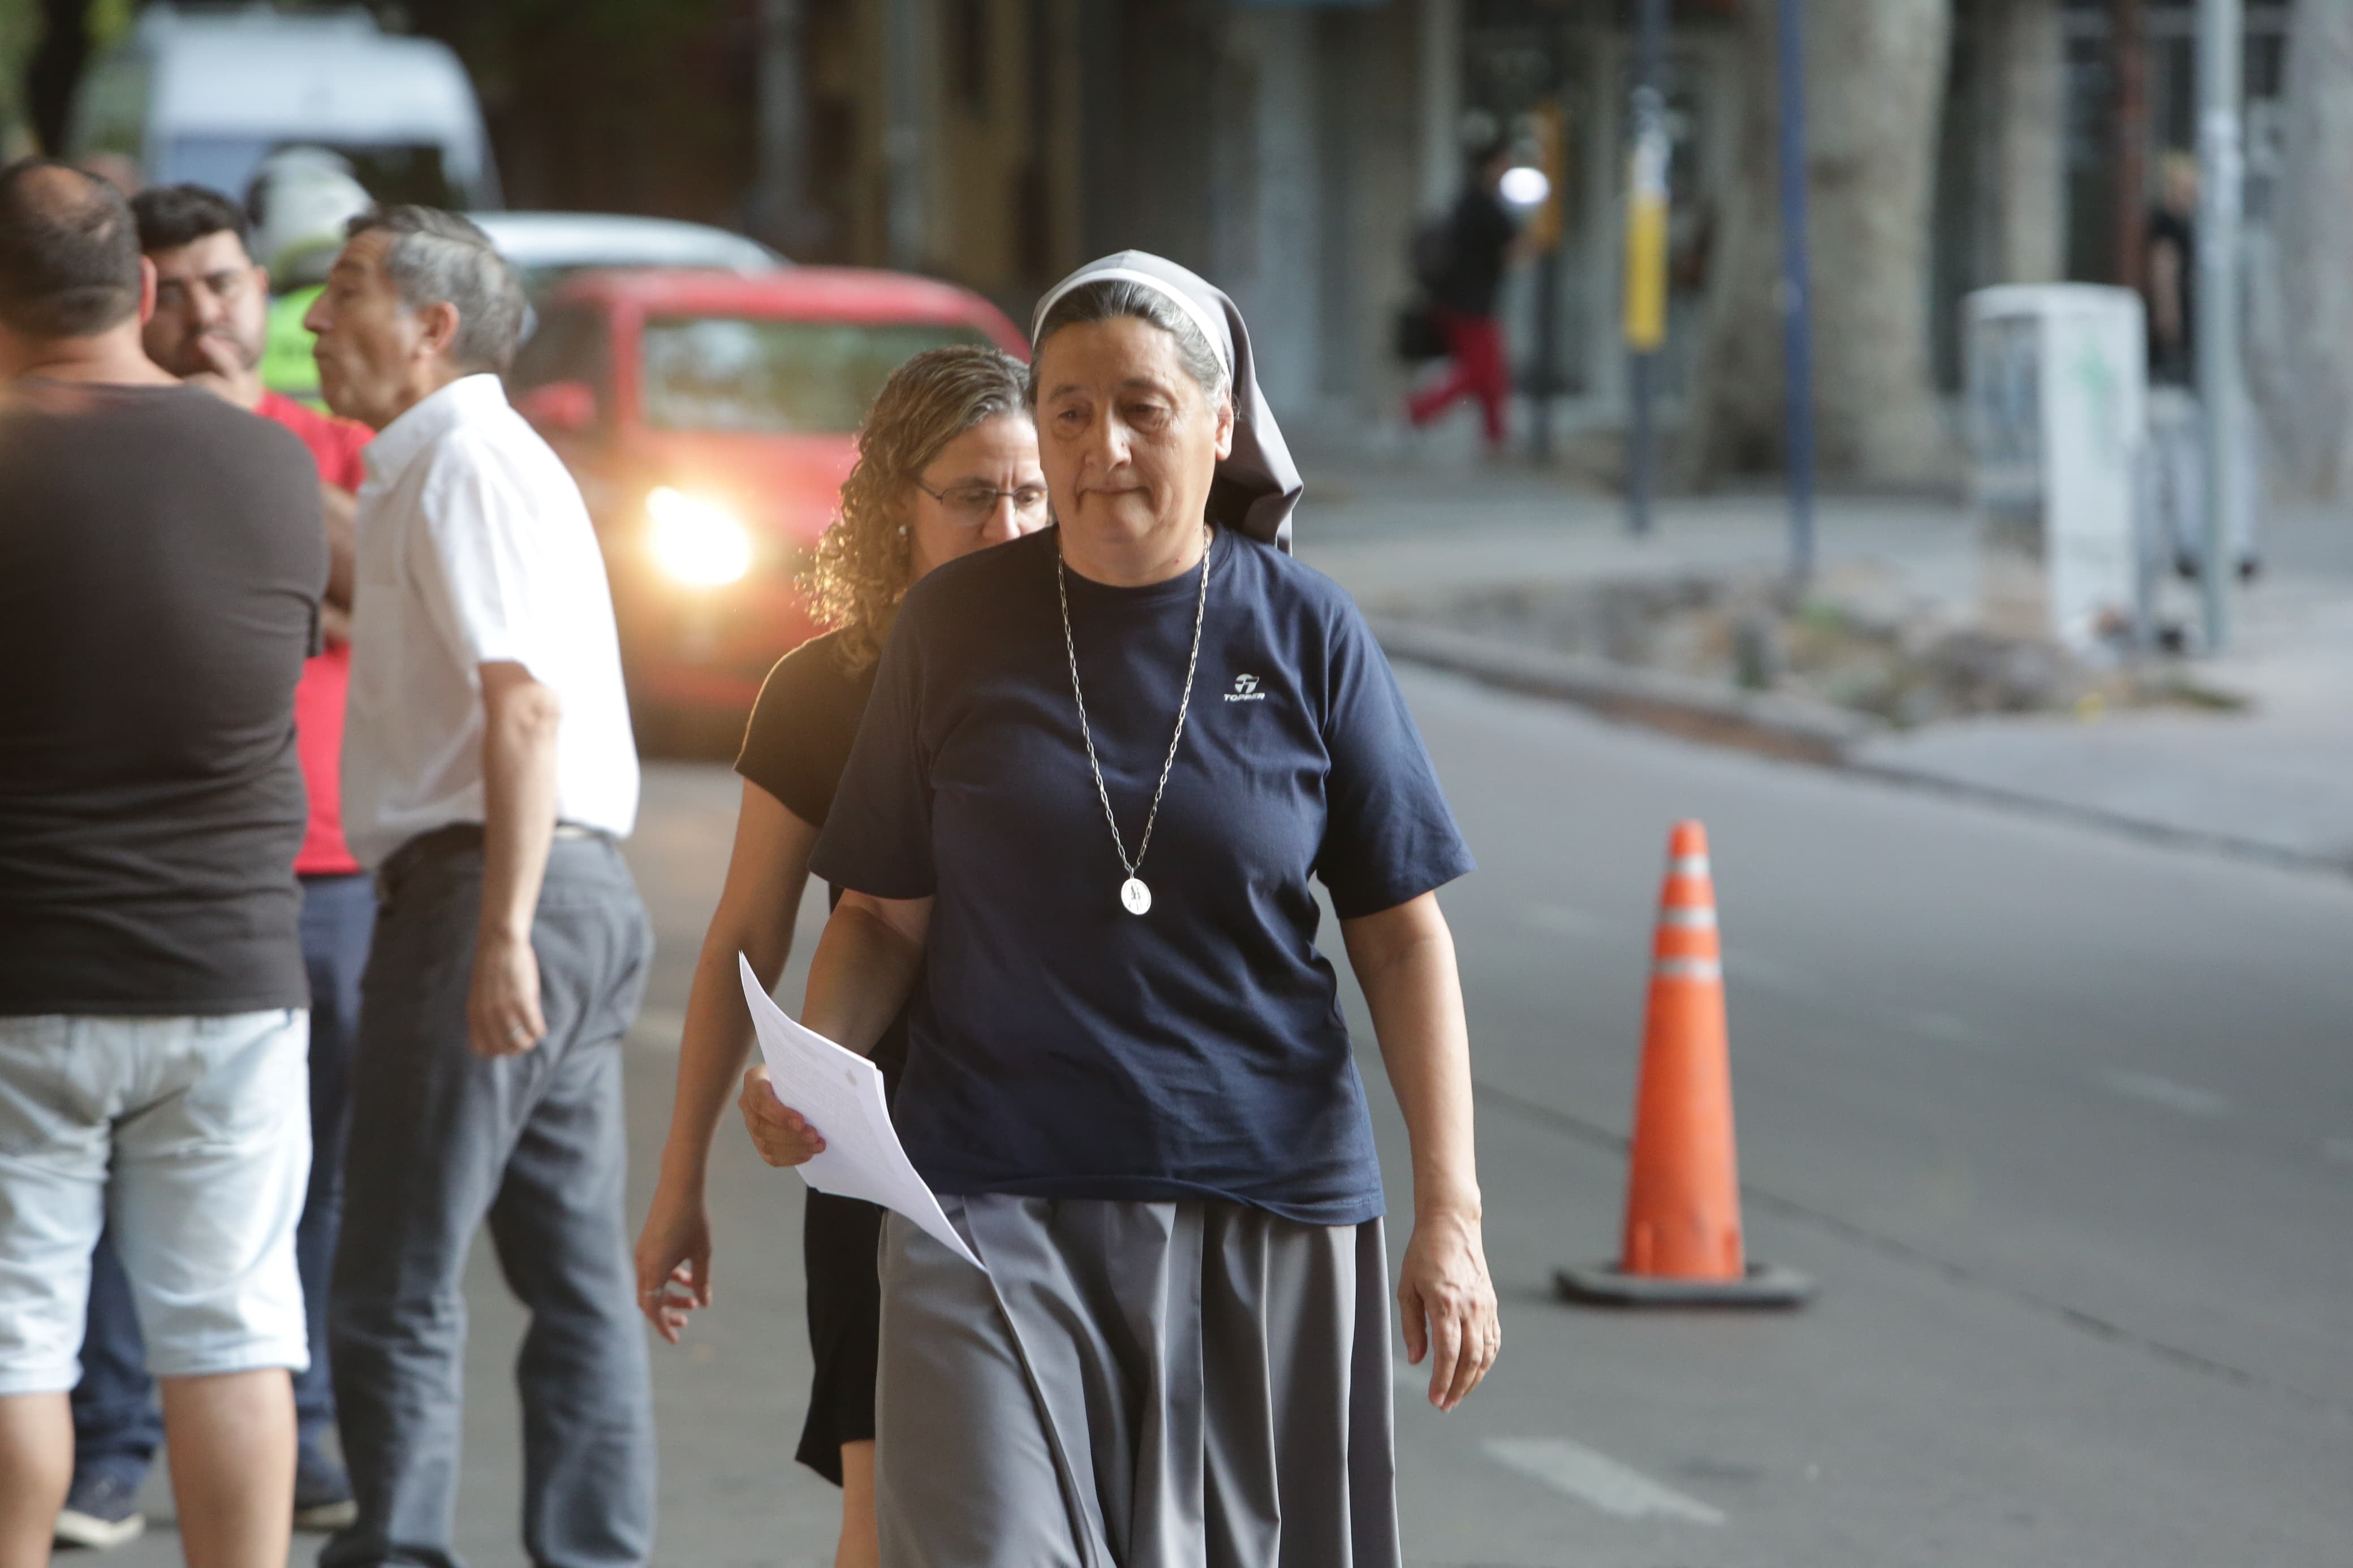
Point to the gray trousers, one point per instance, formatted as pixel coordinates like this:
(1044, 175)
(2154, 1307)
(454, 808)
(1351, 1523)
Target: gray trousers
(1135, 1385)
(440, 1140)
(2178, 479)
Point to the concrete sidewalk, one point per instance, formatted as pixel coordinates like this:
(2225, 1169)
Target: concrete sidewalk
(2268, 781)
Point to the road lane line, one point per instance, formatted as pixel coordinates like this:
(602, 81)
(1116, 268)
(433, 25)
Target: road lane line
(1746, 968)
(1599, 1481)
(1949, 1028)
(2165, 1093)
(1562, 920)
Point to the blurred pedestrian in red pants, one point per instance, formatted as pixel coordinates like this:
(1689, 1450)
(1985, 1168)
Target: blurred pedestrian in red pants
(1463, 275)
(1475, 367)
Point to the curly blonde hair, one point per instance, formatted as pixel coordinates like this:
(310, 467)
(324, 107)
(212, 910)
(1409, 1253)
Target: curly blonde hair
(861, 563)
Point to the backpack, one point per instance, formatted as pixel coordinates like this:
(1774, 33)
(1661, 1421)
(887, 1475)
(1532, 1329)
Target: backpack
(1433, 253)
(1417, 336)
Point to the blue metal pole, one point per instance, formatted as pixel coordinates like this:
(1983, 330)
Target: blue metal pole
(1797, 289)
(1651, 152)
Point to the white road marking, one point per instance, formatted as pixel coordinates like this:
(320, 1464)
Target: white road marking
(657, 1029)
(1563, 920)
(2164, 1092)
(1946, 1027)
(1751, 970)
(1599, 1481)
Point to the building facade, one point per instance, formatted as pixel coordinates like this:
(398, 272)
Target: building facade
(1289, 151)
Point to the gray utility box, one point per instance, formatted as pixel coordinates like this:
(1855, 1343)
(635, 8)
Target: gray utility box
(2057, 417)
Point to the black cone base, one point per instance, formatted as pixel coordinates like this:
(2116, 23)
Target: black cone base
(1765, 1287)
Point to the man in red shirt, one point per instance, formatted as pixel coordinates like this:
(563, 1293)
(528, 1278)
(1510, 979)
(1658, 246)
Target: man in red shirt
(209, 326)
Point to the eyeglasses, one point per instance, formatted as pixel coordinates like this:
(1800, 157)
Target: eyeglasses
(974, 505)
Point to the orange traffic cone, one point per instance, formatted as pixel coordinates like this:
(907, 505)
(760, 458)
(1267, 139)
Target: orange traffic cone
(1683, 1244)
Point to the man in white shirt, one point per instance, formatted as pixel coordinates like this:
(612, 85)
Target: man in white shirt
(488, 771)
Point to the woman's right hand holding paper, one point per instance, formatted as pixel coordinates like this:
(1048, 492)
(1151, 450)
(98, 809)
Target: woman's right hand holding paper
(778, 1131)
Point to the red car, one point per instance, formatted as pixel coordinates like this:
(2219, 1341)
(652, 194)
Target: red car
(710, 418)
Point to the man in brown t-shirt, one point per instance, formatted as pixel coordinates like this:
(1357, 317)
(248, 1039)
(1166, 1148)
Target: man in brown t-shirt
(208, 328)
(161, 564)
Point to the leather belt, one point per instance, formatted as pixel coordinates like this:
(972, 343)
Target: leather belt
(456, 836)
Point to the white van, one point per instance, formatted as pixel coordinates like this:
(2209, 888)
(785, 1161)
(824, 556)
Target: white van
(202, 94)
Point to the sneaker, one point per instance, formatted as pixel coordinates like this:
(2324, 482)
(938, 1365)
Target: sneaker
(322, 1491)
(101, 1513)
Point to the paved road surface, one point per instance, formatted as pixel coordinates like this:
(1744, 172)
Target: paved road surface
(2063, 1123)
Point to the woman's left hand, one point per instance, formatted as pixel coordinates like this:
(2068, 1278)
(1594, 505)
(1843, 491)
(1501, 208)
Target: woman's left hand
(1448, 1304)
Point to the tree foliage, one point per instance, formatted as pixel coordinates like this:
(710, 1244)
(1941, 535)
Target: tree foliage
(20, 31)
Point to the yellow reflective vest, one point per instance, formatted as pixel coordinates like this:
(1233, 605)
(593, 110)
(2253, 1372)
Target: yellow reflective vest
(287, 367)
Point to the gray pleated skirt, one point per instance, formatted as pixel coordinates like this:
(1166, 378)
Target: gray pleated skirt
(1135, 1385)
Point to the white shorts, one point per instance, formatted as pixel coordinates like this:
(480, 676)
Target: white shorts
(192, 1137)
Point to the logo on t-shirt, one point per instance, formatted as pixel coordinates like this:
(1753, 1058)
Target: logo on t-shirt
(1245, 690)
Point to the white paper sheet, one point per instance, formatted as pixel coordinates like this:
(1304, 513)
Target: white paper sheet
(839, 1093)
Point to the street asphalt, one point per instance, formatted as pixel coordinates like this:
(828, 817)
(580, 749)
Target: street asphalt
(2062, 1122)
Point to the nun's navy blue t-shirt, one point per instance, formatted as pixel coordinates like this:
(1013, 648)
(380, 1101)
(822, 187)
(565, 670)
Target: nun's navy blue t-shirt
(1058, 1046)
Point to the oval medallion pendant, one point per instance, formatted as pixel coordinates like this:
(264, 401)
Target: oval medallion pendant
(1135, 895)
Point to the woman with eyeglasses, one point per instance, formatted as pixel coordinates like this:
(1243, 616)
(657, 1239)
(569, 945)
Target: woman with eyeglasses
(948, 464)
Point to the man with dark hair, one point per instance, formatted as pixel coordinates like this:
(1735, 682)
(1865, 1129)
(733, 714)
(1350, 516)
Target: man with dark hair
(69, 257)
(161, 564)
(488, 772)
(171, 216)
(207, 327)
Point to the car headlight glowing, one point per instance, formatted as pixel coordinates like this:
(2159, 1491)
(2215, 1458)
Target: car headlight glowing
(695, 542)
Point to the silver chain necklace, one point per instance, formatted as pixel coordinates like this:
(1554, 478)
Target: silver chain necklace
(1133, 893)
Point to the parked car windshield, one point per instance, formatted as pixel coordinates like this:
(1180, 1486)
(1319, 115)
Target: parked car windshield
(777, 377)
(388, 171)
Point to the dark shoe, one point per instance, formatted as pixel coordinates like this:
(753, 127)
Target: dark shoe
(101, 1513)
(322, 1492)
